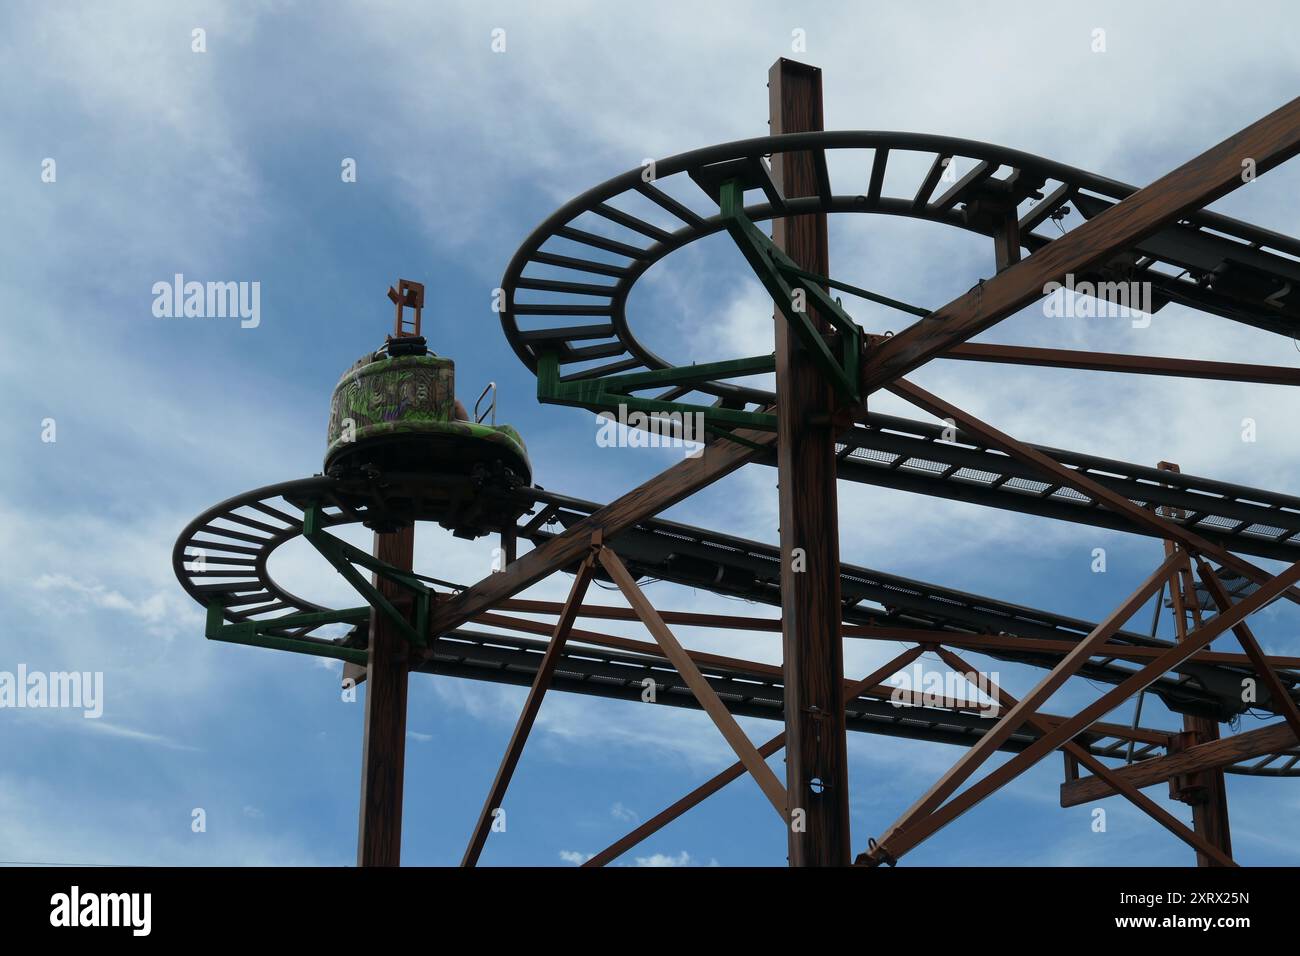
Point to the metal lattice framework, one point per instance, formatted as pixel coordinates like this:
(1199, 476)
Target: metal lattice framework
(1049, 223)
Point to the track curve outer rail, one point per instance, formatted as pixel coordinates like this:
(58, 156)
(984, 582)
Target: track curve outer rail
(1219, 254)
(223, 553)
(237, 538)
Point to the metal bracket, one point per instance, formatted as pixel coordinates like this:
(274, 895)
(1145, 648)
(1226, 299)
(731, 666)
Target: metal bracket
(782, 278)
(256, 633)
(614, 392)
(344, 557)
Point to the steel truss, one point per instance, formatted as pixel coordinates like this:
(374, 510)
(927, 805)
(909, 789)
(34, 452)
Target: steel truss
(1108, 232)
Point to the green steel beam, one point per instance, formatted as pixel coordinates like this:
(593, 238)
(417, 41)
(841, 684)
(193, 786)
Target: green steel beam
(781, 276)
(254, 633)
(856, 290)
(344, 557)
(612, 392)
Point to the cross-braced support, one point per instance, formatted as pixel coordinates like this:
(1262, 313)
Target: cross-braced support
(927, 817)
(826, 367)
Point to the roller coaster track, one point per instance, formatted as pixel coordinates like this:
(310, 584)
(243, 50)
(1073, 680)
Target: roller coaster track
(1205, 261)
(237, 538)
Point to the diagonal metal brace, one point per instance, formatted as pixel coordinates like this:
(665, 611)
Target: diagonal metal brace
(344, 558)
(781, 276)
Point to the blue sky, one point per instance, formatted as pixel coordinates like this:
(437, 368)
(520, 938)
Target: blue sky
(225, 165)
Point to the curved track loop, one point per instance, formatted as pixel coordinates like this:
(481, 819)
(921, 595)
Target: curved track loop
(237, 538)
(1207, 261)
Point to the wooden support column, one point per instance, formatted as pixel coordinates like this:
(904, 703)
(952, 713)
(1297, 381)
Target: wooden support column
(383, 748)
(1206, 791)
(817, 783)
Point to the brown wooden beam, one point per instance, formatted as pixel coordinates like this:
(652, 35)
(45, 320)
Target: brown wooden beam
(817, 773)
(1216, 172)
(1275, 738)
(701, 658)
(977, 792)
(690, 618)
(383, 748)
(533, 704)
(688, 476)
(690, 673)
(1114, 362)
(1048, 645)
(1081, 756)
(1006, 641)
(737, 769)
(1068, 476)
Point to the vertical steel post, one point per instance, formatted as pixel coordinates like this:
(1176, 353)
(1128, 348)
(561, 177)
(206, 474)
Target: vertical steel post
(383, 749)
(816, 758)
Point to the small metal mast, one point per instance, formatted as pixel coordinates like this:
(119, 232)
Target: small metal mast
(387, 674)
(407, 294)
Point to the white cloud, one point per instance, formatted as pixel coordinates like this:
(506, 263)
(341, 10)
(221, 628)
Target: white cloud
(620, 812)
(663, 859)
(70, 594)
(100, 726)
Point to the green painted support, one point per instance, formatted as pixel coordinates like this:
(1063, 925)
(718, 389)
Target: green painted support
(856, 290)
(781, 276)
(344, 557)
(254, 633)
(612, 392)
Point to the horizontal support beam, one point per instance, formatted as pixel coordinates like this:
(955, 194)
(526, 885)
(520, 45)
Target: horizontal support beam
(605, 612)
(987, 642)
(718, 459)
(1010, 642)
(1115, 362)
(907, 699)
(1274, 738)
